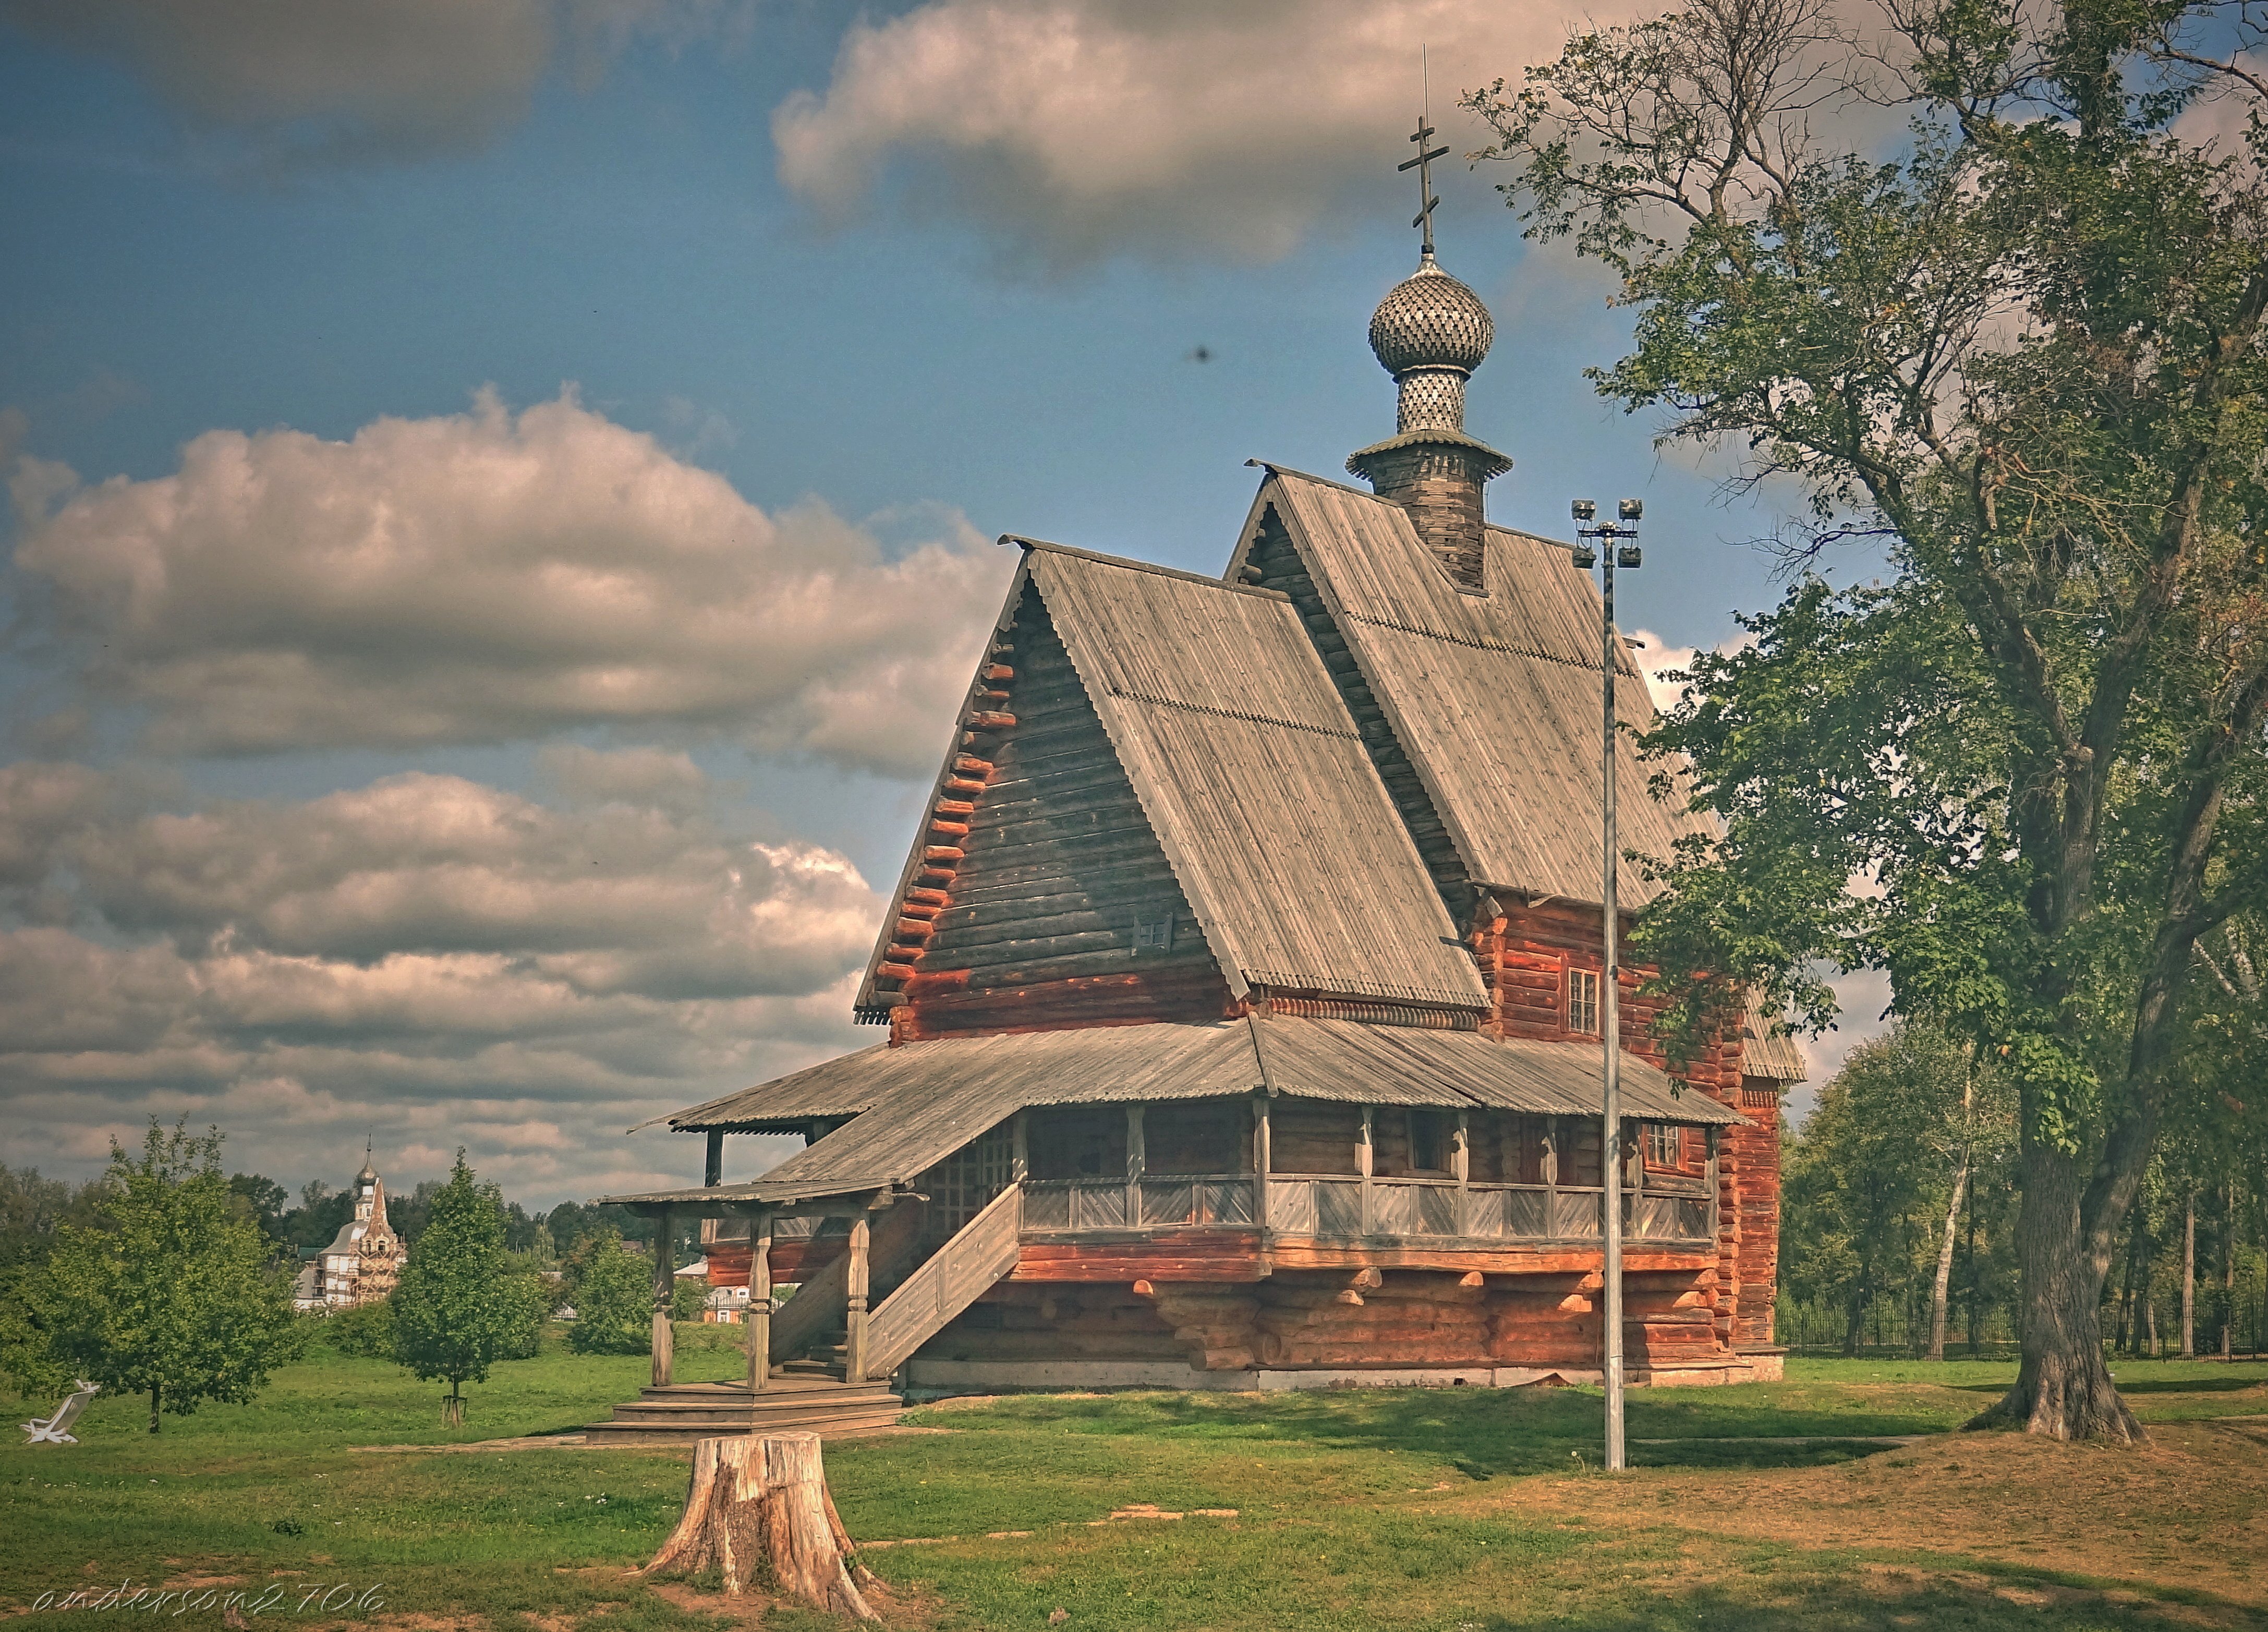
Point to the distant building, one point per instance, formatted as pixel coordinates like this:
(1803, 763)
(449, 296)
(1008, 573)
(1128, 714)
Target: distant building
(362, 1265)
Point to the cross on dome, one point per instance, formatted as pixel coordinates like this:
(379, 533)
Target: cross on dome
(1423, 166)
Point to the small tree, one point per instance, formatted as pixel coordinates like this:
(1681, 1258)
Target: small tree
(459, 1307)
(613, 1301)
(170, 1292)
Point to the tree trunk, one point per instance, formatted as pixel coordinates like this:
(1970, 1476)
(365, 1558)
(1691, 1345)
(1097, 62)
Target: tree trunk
(759, 1509)
(2229, 1277)
(2063, 1388)
(1939, 1292)
(1854, 1324)
(153, 1407)
(1976, 1281)
(2150, 1314)
(2189, 1278)
(453, 1407)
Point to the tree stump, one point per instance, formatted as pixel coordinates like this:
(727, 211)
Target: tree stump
(758, 1510)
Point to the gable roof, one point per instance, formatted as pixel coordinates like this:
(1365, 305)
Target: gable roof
(1494, 697)
(926, 1100)
(1249, 773)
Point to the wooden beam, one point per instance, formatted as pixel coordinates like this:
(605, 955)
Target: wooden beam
(760, 1304)
(664, 1285)
(1020, 1148)
(712, 1167)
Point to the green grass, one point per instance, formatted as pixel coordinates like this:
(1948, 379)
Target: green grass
(1449, 1509)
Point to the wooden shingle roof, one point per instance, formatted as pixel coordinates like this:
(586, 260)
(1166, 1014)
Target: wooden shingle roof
(1247, 768)
(926, 1100)
(1494, 697)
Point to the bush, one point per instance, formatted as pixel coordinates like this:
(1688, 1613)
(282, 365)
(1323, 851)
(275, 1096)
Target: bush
(688, 1298)
(614, 1304)
(366, 1330)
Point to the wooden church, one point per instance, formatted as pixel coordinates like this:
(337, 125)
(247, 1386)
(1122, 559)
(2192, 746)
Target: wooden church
(1241, 990)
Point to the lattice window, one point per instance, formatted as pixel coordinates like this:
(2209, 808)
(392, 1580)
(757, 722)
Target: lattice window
(1583, 1002)
(1665, 1145)
(960, 1186)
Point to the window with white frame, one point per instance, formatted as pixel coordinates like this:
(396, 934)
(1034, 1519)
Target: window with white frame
(1583, 1002)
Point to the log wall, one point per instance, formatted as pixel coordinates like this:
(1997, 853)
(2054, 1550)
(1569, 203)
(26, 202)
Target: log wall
(1330, 1319)
(1040, 868)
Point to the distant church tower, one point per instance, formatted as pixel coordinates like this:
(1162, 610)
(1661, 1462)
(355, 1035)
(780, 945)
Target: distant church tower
(364, 1263)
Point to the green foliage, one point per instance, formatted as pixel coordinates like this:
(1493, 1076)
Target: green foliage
(613, 1295)
(458, 1308)
(1866, 1185)
(170, 1292)
(2022, 355)
(365, 1330)
(687, 1298)
(262, 1200)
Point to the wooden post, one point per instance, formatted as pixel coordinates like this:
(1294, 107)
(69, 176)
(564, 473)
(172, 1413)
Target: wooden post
(664, 1284)
(1262, 1160)
(1460, 1162)
(760, 1303)
(1715, 1221)
(758, 1509)
(712, 1168)
(1362, 1163)
(854, 1341)
(1136, 1159)
(1020, 1148)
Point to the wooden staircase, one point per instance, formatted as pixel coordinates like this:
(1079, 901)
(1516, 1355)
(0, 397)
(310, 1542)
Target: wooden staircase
(808, 1388)
(799, 1399)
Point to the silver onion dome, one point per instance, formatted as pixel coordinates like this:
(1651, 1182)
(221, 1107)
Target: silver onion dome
(1430, 320)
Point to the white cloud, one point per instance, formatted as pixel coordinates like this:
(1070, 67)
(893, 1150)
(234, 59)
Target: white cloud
(356, 80)
(1083, 127)
(1661, 663)
(427, 958)
(485, 576)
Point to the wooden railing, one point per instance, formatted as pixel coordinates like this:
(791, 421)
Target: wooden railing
(1152, 1201)
(962, 1270)
(1347, 1207)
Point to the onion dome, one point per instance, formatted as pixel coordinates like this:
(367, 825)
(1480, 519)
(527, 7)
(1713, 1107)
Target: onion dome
(1430, 320)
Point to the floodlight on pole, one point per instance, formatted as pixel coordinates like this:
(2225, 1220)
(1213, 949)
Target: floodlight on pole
(1618, 548)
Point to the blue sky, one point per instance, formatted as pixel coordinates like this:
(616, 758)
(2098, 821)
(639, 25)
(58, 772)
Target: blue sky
(335, 361)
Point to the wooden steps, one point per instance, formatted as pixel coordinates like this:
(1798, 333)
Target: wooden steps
(803, 1401)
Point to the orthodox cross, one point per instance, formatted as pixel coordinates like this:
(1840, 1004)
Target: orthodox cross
(1423, 166)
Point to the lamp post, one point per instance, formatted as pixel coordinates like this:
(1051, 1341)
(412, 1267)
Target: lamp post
(1617, 547)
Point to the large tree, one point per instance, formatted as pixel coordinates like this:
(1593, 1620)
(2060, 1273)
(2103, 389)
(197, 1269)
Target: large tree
(2015, 342)
(171, 1290)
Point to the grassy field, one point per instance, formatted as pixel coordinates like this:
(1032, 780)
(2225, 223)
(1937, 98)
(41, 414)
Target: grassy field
(1443, 1509)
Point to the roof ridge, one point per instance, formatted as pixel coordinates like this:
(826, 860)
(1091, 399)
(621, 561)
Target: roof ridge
(1233, 714)
(1131, 566)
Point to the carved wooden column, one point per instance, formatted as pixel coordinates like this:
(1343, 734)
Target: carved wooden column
(1137, 1157)
(759, 1303)
(1020, 1148)
(1460, 1162)
(1362, 1165)
(664, 1284)
(854, 1339)
(1262, 1160)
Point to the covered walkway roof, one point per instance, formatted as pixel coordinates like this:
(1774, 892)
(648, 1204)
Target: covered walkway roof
(916, 1104)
